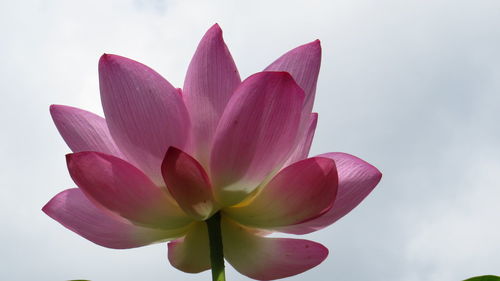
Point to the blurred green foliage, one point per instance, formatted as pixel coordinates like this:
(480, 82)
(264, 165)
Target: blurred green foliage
(484, 278)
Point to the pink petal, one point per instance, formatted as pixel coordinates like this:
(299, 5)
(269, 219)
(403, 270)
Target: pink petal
(211, 79)
(145, 114)
(191, 253)
(357, 179)
(268, 258)
(188, 183)
(83, 130)
(299, 192)
(255, 135)
(303, 64)
(120, 187)
(74, 211)
(304, 143)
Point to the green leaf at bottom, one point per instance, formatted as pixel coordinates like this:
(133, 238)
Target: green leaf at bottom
(484, 278)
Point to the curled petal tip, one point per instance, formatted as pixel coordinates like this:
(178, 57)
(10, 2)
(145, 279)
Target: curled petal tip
(104, 57)
(110, 58)
(215, 26)
(46, 208)
(59, 108)
(103, 61)
(313, 48)
(172, 150)
(278, 74)
(314, 45)
(214, 31)
(79, 155)
(56, 108)
(375, 172)
(378, 175)
(285, 75)
(69, 157)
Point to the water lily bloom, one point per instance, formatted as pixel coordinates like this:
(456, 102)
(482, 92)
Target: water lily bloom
(165, 160)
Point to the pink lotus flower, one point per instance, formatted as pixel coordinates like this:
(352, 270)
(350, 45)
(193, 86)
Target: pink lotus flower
(164, 160)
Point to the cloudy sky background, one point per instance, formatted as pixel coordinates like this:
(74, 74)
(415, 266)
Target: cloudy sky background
(411, 86)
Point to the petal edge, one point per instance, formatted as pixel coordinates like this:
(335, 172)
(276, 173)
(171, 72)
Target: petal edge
(120, 187)
(73, 210)
(299, 192)
(211, 79)
(83, 130)
(269, 258)
(357, 179)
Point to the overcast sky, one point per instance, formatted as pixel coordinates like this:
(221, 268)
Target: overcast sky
(411, 86)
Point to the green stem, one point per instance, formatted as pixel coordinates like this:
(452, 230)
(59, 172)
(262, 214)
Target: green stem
(216, 251)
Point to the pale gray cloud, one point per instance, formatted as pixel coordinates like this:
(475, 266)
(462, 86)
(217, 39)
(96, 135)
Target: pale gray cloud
(410, 86)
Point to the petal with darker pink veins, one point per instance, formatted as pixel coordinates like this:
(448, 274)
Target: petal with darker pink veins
(144, 112)
(83, 130)
(301, 191)
(357, 179)
(188, 183)
(120, 187)
(264, 258)
(255, 135)
(75, 211)
(303, 64)
(211, 79)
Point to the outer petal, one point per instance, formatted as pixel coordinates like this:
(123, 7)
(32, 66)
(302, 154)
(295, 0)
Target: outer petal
(145, 114)
(304, 144)
(83, 130)
(357, 179)
(74, 211)
(124, 189)
(188, 183)
(303, 64)
(191, 254)
(268, 258)
(211, 79)
(255, 134)
(299, 192)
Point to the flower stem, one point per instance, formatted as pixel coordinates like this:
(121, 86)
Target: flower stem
(216, 251)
